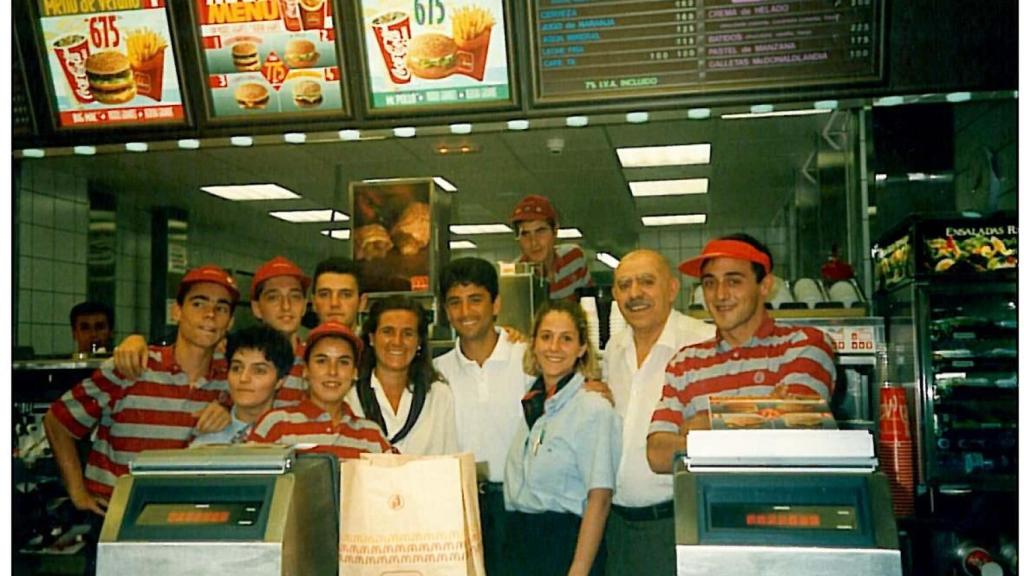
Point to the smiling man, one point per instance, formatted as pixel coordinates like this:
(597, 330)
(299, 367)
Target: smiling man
(750, 355)
(536, 227)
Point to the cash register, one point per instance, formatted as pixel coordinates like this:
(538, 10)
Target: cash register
(221, 511)
(783, 502)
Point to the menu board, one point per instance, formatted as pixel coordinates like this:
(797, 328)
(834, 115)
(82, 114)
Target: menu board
(434, 54)
(110, 63)
(268, 58)
(599, 49)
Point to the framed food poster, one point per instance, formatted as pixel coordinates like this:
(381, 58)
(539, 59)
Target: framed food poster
(110, 64)
(435, 55)
(270, 59)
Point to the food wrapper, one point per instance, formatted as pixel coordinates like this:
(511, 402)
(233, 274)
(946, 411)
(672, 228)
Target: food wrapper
(768, 413)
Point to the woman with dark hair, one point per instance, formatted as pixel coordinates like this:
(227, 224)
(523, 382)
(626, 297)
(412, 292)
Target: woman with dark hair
(561, 467)
(398, 387)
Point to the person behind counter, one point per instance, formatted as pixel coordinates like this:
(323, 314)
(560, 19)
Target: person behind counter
(92, 326)
(324, 418)
(160, 408)
(536, 226)
(398, 387)
(561, 467)
(259, 359)
(336, 295)
(750, 355)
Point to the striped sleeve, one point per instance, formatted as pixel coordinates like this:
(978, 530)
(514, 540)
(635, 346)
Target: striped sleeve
(80, 408)
(668, 414)
(266, 430)
(811, 367)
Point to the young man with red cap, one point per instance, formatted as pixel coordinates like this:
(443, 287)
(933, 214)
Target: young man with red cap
(750, 355)
(158, 409)
(536, 226)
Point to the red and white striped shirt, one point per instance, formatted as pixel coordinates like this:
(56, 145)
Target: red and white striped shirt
(571, 272)
(307, 423)
(294, 388)
(154, 411)
(800, 358)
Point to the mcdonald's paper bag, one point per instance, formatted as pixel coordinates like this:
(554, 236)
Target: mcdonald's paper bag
(410, 516)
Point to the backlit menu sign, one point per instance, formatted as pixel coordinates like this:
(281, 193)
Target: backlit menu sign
(110, 63)
(269, 57)
(593, 49)
(430, 54)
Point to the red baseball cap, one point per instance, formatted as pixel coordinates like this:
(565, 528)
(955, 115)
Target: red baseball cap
(725, 249)
(534, 207)
(209, 273)
(278, 266)
(336, 329)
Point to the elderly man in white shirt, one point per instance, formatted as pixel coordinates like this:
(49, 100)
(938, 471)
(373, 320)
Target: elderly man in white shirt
(640, 535)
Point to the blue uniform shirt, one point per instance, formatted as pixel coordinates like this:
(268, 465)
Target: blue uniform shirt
(235, 433)
(572, 448)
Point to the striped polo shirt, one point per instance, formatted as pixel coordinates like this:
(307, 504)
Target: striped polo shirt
(293, 390)
(571, 272)
(307, 423)
(797, 357)
(154, 411)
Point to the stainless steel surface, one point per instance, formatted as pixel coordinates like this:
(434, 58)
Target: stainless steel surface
(521, 294)
(244, 459)
(785, 561)
(191, 559)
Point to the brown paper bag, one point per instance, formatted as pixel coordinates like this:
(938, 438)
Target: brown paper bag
(410, 516)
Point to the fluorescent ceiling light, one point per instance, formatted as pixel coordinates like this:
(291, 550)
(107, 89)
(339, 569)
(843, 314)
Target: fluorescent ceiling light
(304, 216)
(889, 101)
(295, 137)
(460, 128)
(136, 146)
(444, 184)
(337, 234)
(247, 192)
(33, 153)
(608, 260)
(698, 113)
(466, 229)
(955, 97)
(85, 150)
(672, 219)
(637, 117)
(678, 155)
(348, 135)
(461, 245)
(881, 177)
(826, 104)
(916, 176)
(569, 233)
(669, 187)
(761, 109)
(188, 144)
(803, 112)
(242, 141)
(577, 121)
(404, 131)
(518, 124)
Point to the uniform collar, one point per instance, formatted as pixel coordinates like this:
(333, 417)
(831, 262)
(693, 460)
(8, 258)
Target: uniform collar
(502, 350)
(669, 337)
(763, 331)
(562, 397)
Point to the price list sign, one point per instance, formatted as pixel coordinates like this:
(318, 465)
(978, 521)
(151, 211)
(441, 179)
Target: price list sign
(604, 49)
(110, 63)
(268, 58)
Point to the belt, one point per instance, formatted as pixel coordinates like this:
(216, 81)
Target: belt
(486, 487)
(645, 513)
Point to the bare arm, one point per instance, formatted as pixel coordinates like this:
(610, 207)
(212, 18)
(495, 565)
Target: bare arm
(212, 418)
(661, 450)
(599, 502)
(130, 356)
(66, 455)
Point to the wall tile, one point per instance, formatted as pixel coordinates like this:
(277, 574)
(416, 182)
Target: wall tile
(24, 238)
(24, 306)
(42, 210)
(42, 242)
(80, 247)
(64, 246)
(62, 304)
(25, 269)
(42, 307)
(24, 335)
(64, 214)
(42, 274)
(42, 339)
(82, 217)
(25, 196)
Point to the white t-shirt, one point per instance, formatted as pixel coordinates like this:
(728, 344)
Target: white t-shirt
(487, 402)
(434, 432)
(637, 391)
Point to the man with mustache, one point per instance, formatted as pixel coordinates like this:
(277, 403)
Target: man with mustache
(641, 532)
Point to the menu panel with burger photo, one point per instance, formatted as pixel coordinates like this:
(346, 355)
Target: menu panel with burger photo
(269, 57)
(430, 54)
(110, 67)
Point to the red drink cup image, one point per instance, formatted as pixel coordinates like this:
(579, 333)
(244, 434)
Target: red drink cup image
(393, 32)
(290, 15)
(312, 14)
(72, 51)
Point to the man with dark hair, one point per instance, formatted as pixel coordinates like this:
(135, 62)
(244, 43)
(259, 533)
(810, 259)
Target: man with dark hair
(92, 326)
(749, 356)
(536, 226)
(336, 296)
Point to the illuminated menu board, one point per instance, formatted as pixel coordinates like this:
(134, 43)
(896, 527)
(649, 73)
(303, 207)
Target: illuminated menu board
(434, 54)
(110, 63)
(269, 58)
(598, 49)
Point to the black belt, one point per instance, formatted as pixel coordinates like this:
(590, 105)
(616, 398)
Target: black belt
(645, 513)
(486, 487)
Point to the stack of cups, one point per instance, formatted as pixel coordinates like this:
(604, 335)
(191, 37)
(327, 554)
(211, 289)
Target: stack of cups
(589, 305)
(616, 323)
(895, 448)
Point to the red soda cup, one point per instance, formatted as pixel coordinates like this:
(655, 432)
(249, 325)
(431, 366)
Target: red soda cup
(393, 32)
(72, 51)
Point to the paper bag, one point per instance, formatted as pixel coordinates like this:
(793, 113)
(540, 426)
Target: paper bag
(410, 516)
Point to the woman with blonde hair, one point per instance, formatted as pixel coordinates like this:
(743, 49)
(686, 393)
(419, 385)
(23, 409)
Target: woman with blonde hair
(561, 467)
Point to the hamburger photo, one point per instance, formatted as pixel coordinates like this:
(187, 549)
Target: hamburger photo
(306, 94)
(110, 77)
(431, 56)
(300, 53)
(252, 96)
(246, 57)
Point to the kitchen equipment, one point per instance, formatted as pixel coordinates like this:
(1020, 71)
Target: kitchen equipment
(522, 292)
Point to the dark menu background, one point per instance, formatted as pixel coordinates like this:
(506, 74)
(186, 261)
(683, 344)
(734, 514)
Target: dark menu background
(600, 49)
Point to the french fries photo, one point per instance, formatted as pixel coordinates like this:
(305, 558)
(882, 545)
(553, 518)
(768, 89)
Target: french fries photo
(143, 45)
(470, 23)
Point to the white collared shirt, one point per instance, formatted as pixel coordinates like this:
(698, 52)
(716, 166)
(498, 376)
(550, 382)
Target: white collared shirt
(487, 402)
(637, 391)
(434, 432)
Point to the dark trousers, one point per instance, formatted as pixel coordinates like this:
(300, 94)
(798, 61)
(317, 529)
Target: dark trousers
(493, 526)
(544, 544)
(640, 545)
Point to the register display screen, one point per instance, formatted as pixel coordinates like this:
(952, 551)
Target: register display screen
(199, 514)
(785, 517)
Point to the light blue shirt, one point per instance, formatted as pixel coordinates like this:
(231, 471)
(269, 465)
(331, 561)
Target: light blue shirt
(235, 433)
(572, 448)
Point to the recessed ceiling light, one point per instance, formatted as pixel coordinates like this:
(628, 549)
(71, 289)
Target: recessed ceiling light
(889, 101)
(780, 113)
(461, 245)
(337, 234)
(577, 121)
(518, 124)
(136, 146)
(698, 113)
(295, 137)
(188, 144)
(461, 128)
(242, 141)
(33, 153)
(608, 260)
(826, 104)
(85, 150)
(955, 97)
(569, 233)
(304, 216)
(444, 184)
(245, 192)
(672, 219)
(678, 155)
(467, 229)
(348, 135)
(637, 117)
(881, 177)
(404, 131)
(669, 187)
